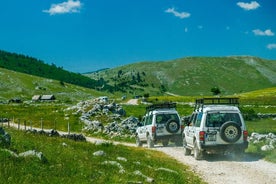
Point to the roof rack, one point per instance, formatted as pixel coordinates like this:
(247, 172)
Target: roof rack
(161, 106)
(215, 101)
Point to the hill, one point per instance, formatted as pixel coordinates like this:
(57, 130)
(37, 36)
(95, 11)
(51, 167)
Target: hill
(32, 66)
(19, 85)
(191, 76)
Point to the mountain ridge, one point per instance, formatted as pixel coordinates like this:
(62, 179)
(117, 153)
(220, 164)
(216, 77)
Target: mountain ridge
(192, 75)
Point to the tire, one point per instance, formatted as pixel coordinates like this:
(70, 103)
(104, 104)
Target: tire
(172, 126)
(138, 142)
(187, 151)
(165, 143)
(230, 132)
(198, 155)
(149, 142)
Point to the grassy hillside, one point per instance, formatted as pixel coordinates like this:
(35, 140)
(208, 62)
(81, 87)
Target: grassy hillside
(75, 162)
(33, 66)
(192, 76)
(19, 85)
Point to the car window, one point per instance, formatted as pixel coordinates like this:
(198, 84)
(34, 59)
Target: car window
(160, 118)
(198, 119)
(217, 119)
(149, 120)
(194, 119)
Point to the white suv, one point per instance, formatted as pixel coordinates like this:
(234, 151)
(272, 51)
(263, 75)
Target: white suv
(161, 123)
(216, 126)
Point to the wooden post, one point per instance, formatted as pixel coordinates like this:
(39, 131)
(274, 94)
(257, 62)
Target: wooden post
(41, 124)
(55, 124)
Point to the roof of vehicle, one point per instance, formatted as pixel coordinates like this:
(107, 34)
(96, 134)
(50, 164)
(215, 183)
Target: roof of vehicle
(164, 111)
(217, 103)
(208, 108)
(166, 105)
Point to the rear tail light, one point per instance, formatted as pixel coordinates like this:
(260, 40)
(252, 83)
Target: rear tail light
(245, 135)
(153, 129)
(201, 135)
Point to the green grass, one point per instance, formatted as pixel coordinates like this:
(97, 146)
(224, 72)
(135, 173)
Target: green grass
(50, 115)
(262, 126)
(75, 163)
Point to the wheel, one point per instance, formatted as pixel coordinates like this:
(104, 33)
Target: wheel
(187, 151)
(165, 142)
(138, 142)
(150, 142)
(178, 142)
(230, 132)
(172, 126)
(198, 155)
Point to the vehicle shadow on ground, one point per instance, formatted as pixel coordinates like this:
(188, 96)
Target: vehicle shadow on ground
(246, 157)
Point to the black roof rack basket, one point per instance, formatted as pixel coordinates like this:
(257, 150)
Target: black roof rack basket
(166, 105)
(215, 101)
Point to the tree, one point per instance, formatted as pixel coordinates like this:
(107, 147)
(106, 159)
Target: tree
(215, 90)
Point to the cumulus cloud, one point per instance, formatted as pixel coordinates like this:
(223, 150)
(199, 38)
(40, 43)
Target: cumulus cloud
(249, 6)
(271, 46)
(259, 32)
(70, 6)
(181, 15)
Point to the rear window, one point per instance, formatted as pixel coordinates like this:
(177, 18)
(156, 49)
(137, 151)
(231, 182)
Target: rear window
(163, 118)
(217, 119)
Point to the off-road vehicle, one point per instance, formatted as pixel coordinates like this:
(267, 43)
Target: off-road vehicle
(161, 123)
(216, 126)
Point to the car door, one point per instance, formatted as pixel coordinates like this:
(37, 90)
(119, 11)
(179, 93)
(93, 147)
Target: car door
(191, 130)
(142, 129)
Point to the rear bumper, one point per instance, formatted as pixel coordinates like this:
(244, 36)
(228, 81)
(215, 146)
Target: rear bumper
(224, 147)
(174, 137)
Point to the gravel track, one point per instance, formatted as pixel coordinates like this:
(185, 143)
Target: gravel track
(226, 169)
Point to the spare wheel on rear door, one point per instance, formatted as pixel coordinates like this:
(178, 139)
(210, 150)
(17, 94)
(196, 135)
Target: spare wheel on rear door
(172, 126)
(230, 132)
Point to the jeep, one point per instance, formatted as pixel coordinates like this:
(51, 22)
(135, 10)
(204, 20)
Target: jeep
(215, 126)
(161, 123)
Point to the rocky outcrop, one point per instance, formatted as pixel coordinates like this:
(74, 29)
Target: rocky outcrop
(269, 140)
(91, 111)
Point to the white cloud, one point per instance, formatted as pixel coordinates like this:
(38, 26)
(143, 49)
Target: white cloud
(259, 32)
(200, 27)
(249, 6)
(181, 15)
(271, 46)
(70, 6)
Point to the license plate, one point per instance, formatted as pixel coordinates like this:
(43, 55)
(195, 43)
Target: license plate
(211, 137)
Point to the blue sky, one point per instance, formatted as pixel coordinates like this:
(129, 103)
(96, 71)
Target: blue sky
(87, 35)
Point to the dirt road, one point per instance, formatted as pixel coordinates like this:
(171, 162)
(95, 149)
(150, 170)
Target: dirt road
(227, 169)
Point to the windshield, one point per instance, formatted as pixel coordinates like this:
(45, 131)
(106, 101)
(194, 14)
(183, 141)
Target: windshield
(218, 118)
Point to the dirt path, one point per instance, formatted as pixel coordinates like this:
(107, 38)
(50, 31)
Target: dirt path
(133, 102)
(227, 169)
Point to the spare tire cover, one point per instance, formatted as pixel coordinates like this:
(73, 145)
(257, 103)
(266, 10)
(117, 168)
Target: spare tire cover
(230, 132)
(172, 126)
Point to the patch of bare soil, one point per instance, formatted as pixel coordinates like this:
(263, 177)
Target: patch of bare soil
(227, 169)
